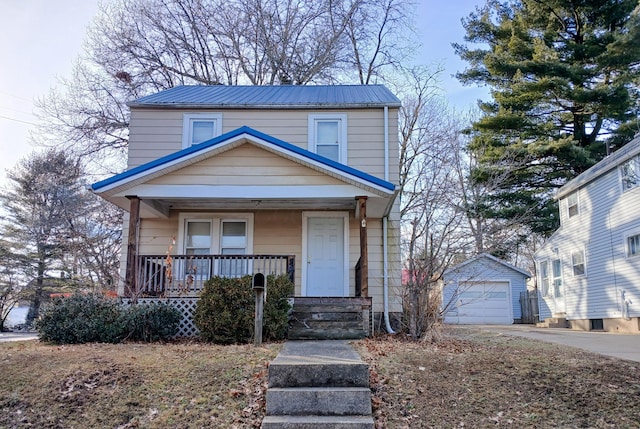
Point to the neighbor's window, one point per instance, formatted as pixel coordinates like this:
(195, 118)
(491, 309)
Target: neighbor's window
(630, 173)
(556, 270)
(577, 261)
(544, 278)
(328, 136)
(200, 127)
(633, 245)
(572, 205)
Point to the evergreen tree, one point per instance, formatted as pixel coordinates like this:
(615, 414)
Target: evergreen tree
(44, 197)
(564, 79)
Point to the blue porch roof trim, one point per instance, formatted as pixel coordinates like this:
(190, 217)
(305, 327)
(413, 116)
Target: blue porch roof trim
(271, 96)
(176, 156)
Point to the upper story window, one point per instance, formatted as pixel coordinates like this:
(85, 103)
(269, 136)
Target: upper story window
(572, 205)
(328, 135)
(633, 245)
(200, 127)
(578, 263)
(630, 173)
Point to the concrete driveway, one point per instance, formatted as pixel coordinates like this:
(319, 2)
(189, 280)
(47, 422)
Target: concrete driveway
(17, 336)
(622, 346)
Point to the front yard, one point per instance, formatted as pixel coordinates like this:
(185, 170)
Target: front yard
(467, 379)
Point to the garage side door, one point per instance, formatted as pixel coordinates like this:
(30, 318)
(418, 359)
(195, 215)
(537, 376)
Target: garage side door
(481, 303)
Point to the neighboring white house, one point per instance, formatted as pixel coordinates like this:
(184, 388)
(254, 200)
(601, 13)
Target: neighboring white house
(589, 269)
(483, 290)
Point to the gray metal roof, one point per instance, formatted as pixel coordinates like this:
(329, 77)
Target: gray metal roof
(620, 156)
(270, 97)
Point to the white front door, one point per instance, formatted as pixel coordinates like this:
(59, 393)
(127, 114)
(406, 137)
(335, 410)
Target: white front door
(325, 256)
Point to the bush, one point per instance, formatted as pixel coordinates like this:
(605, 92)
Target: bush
(276, 309)
(225, 310)
(96, 319)
(151, 322)
(81, 319)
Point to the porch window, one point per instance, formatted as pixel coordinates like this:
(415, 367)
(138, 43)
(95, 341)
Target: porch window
(328, 136)
(572, 205)
(577, 261)
(630, 173)
(633, 245)
(233, 241)
(544, 278)
(200, 127)
(198, 242)
(556, 270)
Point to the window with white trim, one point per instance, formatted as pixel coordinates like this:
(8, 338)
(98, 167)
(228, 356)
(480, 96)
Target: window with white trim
(200, 127)
(630, 173)
(633, 245)
(543, 268)
(572, 205)
(233, 241)
(328, 135)
(226, 234)
(578, 263)
(556, 272)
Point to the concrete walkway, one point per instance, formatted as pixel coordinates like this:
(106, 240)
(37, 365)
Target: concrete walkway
(622, 346)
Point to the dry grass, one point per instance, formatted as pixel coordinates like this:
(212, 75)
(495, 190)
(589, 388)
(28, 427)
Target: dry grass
(132, 385)
(466, 380)
(472, 379)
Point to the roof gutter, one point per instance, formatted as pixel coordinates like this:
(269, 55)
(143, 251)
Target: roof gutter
(248, 106)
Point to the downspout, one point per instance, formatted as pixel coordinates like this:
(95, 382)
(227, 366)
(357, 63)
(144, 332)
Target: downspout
(385, 230)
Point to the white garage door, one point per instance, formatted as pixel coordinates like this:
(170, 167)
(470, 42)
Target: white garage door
(480, 303)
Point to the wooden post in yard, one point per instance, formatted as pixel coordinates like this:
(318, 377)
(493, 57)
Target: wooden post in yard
(364, 250)
(131, 273)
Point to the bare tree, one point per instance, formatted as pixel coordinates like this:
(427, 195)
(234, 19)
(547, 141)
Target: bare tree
(137, 47)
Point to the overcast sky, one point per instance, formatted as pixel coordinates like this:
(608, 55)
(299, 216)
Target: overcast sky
(41, 39)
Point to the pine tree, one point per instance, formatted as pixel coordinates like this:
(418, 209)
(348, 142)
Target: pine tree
(564, 80)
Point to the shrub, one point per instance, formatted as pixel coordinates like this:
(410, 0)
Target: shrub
(151, 322)
(225, 311)
(276, 309)
(97, 319)
(81, 319)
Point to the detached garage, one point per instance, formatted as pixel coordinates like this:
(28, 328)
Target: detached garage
(483, 290)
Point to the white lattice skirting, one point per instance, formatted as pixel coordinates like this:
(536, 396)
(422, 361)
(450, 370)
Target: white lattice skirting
(187, 307)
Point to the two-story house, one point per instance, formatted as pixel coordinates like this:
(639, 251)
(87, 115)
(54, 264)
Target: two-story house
(589, 269)
(233, 180)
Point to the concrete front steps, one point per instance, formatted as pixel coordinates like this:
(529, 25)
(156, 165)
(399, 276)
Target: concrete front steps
(328, 318)
(557, 321)
(318, 384)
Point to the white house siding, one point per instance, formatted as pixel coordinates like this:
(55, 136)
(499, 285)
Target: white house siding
(158, 132)
(606, 216)
(485, 270)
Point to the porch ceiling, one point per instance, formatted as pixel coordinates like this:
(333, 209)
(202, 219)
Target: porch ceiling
(161, 207)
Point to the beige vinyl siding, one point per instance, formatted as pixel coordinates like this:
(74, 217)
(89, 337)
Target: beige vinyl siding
(158, 132)
(277, 233)
(246, 165)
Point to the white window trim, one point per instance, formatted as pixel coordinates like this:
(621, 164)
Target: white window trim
(186, 125)
(311, 128)
(577, 194)
(346, 257)
(216, 228)
(584, 262)
(627, 250)
(549, 278)
(636, 160)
